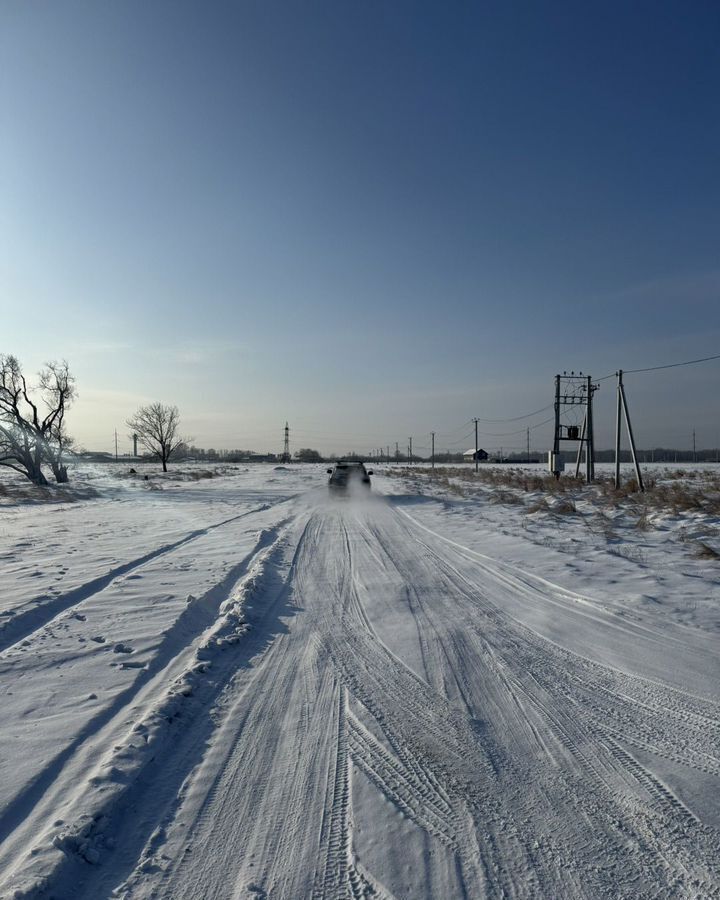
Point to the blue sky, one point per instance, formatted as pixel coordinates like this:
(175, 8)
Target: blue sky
(370, 219)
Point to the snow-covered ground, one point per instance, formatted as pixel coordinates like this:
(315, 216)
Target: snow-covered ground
(221, 683)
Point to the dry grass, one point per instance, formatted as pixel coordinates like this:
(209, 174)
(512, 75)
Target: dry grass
(24, 491)
(565, 506)
(506, 497)
(602, 524)
(643, 523)
(695, 491)
(705, 551)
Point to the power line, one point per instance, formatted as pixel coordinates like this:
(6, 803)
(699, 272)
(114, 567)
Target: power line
(460, 440)
(519, 431)
(517, 418)
(689, 362)
(454, 430)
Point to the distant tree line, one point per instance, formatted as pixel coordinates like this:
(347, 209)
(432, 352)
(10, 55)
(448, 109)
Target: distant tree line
(306, 454)
(232, 456)
(656, 454)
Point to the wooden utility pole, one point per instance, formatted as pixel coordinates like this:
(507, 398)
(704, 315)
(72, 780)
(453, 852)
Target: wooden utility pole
(432, 435)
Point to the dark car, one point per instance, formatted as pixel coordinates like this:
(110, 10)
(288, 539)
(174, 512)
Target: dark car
(348, 473)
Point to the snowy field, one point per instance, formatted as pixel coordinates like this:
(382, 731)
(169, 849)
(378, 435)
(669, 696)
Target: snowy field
(220, 683)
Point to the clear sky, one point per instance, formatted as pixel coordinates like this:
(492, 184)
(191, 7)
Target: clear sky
(372, 219)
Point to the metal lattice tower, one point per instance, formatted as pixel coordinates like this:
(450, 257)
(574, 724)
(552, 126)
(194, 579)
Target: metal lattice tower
(574, 420)
(286, 449)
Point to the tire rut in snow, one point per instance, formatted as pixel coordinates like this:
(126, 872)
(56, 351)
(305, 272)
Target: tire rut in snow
(589, 708)
(118, 774)
(512, 755)
(21, 626)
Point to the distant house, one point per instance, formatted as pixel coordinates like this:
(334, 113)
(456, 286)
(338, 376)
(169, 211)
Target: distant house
(471, 456)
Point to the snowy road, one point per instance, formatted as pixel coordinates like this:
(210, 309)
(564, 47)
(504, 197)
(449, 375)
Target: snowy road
(403, 718)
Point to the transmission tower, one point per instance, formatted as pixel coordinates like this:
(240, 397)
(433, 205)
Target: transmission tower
(286, 450)
(573, 402)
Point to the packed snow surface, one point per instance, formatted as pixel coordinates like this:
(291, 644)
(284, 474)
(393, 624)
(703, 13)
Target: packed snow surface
(223, 683)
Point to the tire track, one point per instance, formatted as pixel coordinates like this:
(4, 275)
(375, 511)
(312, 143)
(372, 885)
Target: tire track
(22, 625)
(335, 876)
(509, 755)
(157, 695)
(562, 687)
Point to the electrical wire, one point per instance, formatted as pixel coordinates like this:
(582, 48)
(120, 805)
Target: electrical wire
(460, 440)
(517, 418)
(520, 431)
(452, 431)
(689, 362)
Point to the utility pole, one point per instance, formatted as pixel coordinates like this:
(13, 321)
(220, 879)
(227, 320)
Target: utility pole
(476, 444)
(135, 439)
(527, 434)
(555, 462)
(410, 450)
(432, 435)
(694, 451)
(622, 407)
(116, 453)
(397, 454)
(618, 413)
(589, 437)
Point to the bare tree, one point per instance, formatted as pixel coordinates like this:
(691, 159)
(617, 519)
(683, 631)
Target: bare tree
(57, 450)
(27, 437)
(156, 426)
(58, 390)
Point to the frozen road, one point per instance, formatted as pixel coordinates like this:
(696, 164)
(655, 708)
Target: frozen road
(404, 718)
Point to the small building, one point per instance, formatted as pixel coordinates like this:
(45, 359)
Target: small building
(472, 456)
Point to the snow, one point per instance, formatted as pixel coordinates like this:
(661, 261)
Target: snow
(221, 682)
